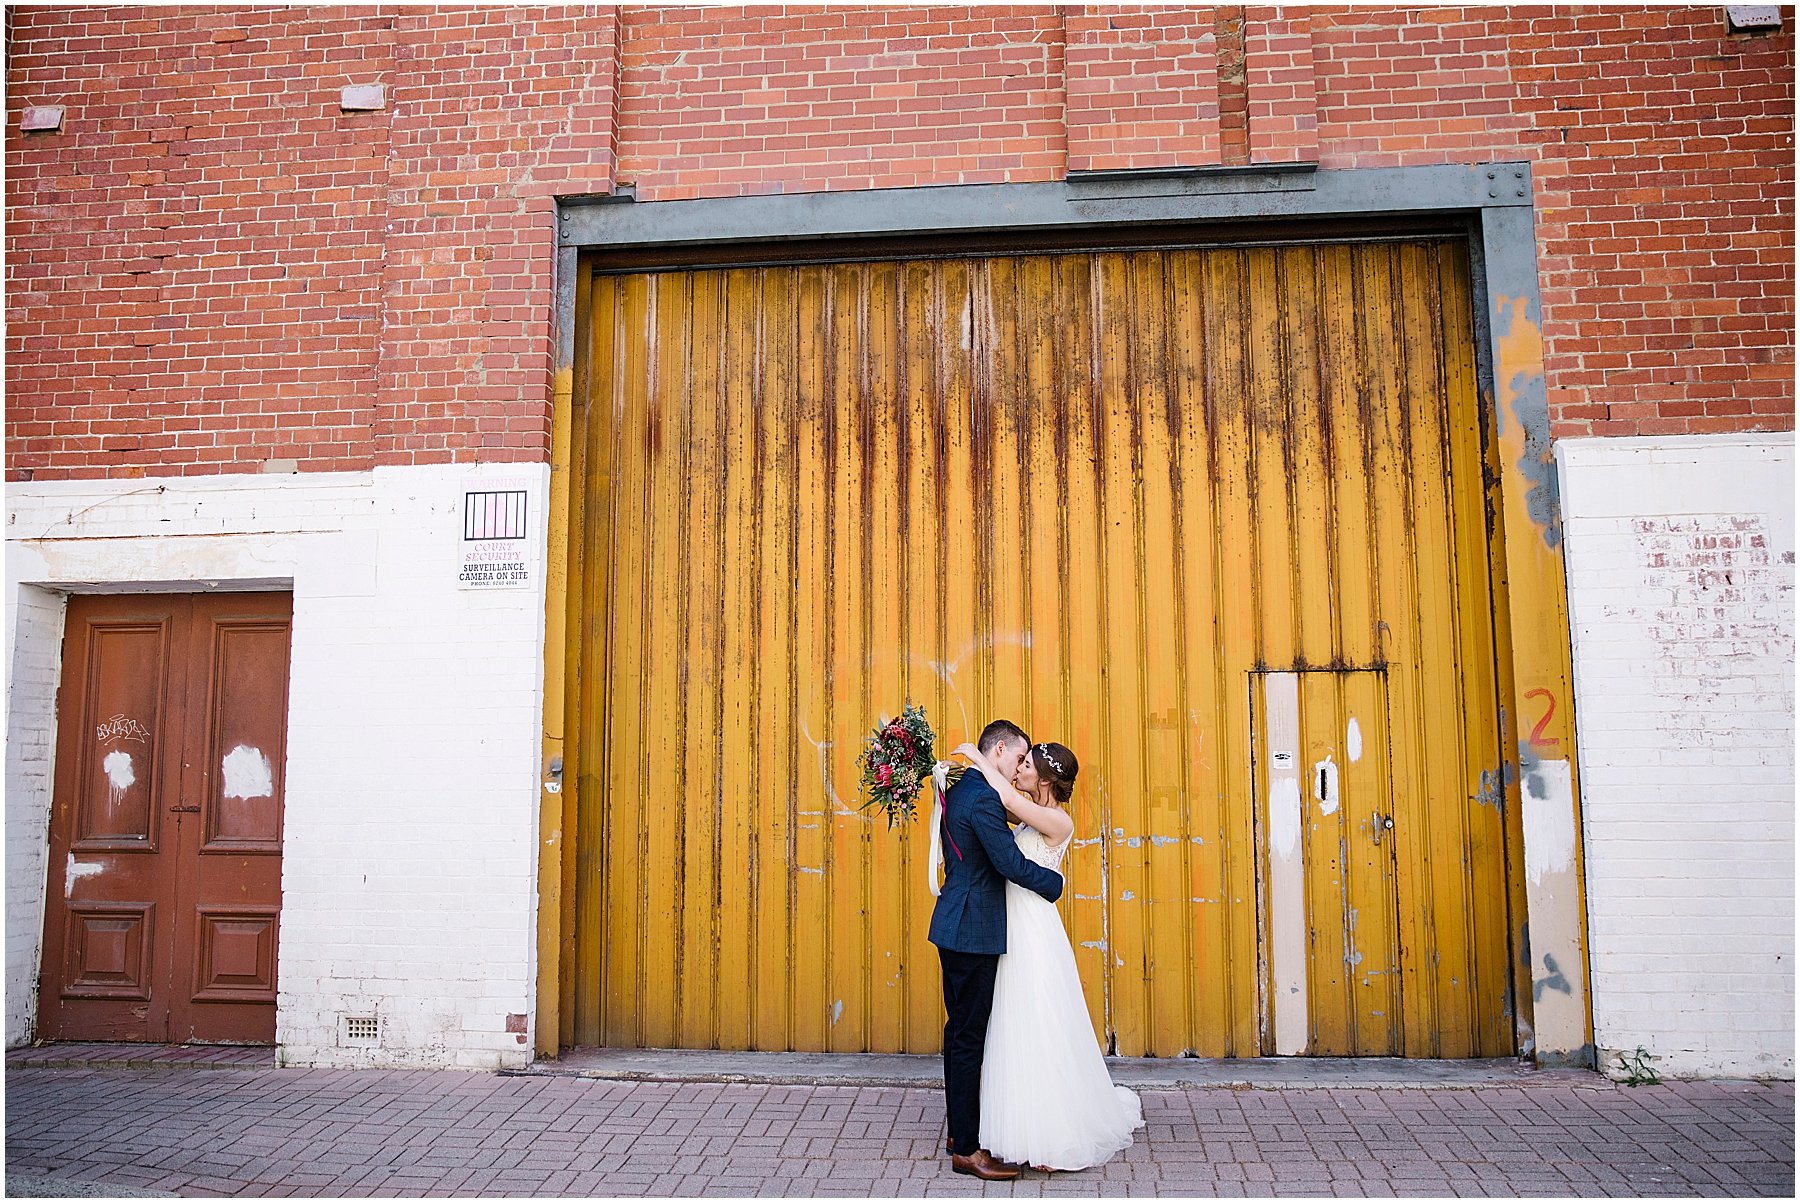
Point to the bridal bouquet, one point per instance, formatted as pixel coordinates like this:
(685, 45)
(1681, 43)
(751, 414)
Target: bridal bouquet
(896, 762)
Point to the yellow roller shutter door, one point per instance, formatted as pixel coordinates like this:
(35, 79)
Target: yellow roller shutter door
(1125, 498)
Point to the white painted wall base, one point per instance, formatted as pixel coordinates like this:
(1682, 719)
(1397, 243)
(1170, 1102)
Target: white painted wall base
(1680, 557)
(409, 874)
(34, 631)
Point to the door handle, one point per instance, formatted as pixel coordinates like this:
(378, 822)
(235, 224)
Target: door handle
(1381, 823)
(184, 810)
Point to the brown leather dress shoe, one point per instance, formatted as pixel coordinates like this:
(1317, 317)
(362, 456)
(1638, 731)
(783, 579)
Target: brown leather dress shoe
(984, 1165)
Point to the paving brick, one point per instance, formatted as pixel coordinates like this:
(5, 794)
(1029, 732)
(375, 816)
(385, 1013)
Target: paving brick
(403, 1143)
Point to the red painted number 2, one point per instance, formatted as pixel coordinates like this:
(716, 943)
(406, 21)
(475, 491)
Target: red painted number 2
(1537, 732)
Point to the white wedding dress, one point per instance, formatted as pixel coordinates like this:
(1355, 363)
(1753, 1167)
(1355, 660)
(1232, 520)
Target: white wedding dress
(1046, 1098)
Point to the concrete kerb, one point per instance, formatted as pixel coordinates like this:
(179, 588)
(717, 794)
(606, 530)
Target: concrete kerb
(892, 1070)
(1140, 1073)
(33, 1186)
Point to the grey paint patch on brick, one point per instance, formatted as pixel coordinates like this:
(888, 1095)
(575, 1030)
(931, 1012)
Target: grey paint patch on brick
(42, 118)
(363, 98)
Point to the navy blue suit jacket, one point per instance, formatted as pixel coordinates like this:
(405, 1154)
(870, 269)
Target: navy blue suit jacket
(970, 915)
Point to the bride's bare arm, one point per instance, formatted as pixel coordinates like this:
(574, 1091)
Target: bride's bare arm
(1054, 824)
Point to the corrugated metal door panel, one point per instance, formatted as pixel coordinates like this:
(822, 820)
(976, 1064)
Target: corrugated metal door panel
(1076, 477)
(697, 1014)
(1192, 893)
(1240, 1000)
(1413, 544)
(1179, 467)
(1443, 817)
(1168, 914)
(873, 982)
(1323, 787)
(1353, 964)
(590, 599)
(1482, 797)
(791, 934)
(1118, 769)
(623, 826)
(731, 481)
(1396, 590)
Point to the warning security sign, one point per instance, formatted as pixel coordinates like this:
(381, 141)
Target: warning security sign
(496, 521)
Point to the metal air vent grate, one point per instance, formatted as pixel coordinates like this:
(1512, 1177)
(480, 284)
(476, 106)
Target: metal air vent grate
(361, 1029)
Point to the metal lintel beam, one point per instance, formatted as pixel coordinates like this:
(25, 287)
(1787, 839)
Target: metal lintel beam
(1354, 192)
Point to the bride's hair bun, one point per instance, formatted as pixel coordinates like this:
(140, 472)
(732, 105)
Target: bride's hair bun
(1057, 765)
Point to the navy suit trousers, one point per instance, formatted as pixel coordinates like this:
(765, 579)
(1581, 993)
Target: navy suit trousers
(968, 1001)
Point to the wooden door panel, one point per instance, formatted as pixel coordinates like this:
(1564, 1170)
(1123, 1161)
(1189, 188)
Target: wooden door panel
(244, 749)
(230, 844)
(119, 738)
(109, 951)
(163, 890)
(108, 885)
(236, 960)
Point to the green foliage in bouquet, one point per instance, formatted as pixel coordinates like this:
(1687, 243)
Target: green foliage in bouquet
(897, 761)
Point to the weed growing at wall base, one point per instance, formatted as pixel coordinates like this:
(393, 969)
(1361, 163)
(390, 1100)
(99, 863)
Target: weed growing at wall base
(1635, 1068)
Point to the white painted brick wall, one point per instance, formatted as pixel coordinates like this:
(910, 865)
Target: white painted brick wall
(409, 880)
(33, 654)
(1680, 556)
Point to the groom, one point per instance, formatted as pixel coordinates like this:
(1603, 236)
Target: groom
(969, 928)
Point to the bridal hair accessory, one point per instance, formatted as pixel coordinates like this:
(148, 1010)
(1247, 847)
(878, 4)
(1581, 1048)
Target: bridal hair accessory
(1044, 751)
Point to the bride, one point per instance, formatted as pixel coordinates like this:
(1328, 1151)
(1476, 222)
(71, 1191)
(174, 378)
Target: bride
(1046, 1098)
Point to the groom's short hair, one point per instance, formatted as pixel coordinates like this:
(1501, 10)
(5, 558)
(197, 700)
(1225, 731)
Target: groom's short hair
(998, 732)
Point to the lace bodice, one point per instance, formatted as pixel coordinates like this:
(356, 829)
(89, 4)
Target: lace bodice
(1036, 849)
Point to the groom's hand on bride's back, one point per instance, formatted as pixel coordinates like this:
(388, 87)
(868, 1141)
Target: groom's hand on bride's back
(996, 839)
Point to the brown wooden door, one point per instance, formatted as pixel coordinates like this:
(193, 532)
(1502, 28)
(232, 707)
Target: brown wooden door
(164, 891)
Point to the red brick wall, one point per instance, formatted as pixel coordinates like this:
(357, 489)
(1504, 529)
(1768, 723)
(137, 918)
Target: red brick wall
(210, 266)
(719, 102)
(194, 264)
(498, 111)
(1283, 91)
(1143, 88)
(1663, 162)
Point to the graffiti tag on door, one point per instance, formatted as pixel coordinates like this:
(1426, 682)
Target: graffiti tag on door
(119, 727)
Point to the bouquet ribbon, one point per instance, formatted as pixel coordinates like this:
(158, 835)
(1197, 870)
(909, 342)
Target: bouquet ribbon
(934, 861)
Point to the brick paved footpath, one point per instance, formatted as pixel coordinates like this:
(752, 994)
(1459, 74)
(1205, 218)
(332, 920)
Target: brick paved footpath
(362, 1132)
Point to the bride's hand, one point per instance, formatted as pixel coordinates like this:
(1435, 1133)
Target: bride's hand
(967, 750)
